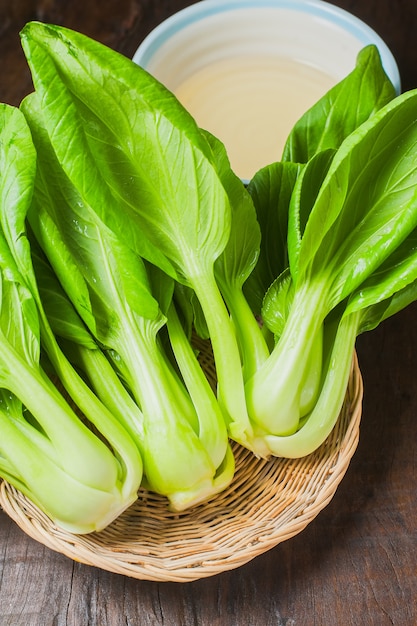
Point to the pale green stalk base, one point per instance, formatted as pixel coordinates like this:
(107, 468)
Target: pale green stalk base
(63, 468)
(323, 417)
(180, 501)
(176, 462)
(123, 446)
(108, 387)
(212, 430)
(274, 393)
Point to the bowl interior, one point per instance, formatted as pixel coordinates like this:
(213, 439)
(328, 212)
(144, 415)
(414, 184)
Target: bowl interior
(312, 32)
(247, 70)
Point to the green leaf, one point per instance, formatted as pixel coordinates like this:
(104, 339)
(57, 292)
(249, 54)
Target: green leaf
(367, 204)
(62, 316)
(343, 109)
(192, 315)
(271, 189)
(395, 276)
(19, 321)
(143, 153)
(277, 303)
(302, 200)
(17, 166)
(94, 266)
(374, 314)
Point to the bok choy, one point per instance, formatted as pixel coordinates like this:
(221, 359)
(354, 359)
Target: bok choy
(281, 276)
(152, 175)
(355, 250)
(112, 292)
(82, 480)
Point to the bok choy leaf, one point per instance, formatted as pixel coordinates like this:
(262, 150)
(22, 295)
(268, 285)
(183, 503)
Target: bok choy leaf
(330, 120)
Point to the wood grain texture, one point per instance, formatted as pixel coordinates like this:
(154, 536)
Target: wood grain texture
(356, 564)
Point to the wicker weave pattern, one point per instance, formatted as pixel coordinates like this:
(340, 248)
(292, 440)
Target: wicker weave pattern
(267, 503)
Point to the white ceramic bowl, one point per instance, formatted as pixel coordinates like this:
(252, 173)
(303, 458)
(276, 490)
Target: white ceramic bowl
(248, 69)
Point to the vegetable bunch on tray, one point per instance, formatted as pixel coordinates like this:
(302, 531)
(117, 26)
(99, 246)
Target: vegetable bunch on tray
(124, 234)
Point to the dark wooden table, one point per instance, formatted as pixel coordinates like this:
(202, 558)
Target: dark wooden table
(356, 564)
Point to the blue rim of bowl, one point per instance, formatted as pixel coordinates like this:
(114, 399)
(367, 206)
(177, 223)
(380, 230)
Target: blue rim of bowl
(319, 8)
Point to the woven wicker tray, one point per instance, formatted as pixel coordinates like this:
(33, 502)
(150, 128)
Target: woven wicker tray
(267, 503)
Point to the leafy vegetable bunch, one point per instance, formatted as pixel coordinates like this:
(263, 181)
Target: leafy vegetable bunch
(125, 235)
